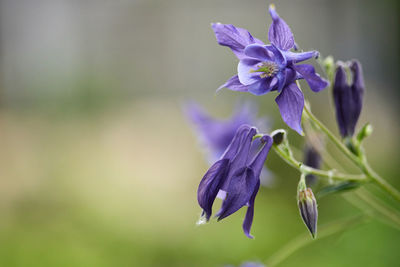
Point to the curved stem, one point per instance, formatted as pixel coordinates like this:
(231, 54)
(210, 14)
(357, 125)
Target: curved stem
(304, 239)
(332, 174)
(362, 164)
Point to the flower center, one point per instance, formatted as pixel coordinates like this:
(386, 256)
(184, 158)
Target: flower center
(267, 69)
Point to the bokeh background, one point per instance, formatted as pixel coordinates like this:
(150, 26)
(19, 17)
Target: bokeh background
(98, 165)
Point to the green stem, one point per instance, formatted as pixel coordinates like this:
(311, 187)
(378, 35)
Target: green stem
(362, 164)
(332, 174)
(304, 239)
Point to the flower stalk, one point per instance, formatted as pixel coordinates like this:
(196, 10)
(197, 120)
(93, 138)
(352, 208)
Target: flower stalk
(360, 161)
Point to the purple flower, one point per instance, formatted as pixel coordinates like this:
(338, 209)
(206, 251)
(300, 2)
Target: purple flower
(264, 68)
(216, 134)
(348, 98)
(235, 177)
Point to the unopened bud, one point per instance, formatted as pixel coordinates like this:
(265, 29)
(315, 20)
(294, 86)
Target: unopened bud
(308, 209)
(365, 131)
(278, 136)
(348, 96)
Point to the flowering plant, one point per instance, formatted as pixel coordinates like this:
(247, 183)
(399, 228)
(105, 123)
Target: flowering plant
(234, 175)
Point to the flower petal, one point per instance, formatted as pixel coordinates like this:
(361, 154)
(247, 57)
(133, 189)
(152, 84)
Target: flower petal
(242, 154)
(279, 58)
(262, 86)
(342, 99)
(235, 144)
(291, 104)
(234, 84)
(241, 187)
(348, 99)
(258, 162)
(235, 38)
(279, 32)
(240, 158)
(259, 51)
(210, 185)
(298, 57)
(313, 79)
(245, 68)
(248, 219)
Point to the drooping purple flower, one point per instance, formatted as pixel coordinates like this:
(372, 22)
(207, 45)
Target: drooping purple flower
(216, 134)
(235, 177)
(348, 98)
(264, 68)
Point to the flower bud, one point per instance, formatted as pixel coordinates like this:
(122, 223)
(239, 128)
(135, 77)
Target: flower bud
(278, 136)
(348, 97)
(308, 209)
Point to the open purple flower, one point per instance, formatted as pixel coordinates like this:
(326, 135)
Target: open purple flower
(235, 177)
(264, 68)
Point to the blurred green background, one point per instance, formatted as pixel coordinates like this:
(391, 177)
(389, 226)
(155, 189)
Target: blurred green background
(98, 166)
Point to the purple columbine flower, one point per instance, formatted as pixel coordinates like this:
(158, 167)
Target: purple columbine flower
(216, 134)
(348, 98)
(264, 68)
(235, 177)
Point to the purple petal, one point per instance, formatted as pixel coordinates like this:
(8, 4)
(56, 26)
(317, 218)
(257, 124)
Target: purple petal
(234, 84)
(313, 79)
(235, 38)
(291, 104)
(348, 99)
(279, 58)
(342, 99)
(259, 51)
(358, 77)
(279, 32)
(245, 68)
(240, 158)
(258, 162)
(240, 189)
(235, 144)
(248, 219)
(263, 86)
(298, 57)
(210, 185)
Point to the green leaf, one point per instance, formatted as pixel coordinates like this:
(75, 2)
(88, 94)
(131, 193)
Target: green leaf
(338, 188)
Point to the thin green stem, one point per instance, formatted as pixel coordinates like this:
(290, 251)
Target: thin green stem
(362, 164)
(332, 174)
(332, 137)
(304, 239)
